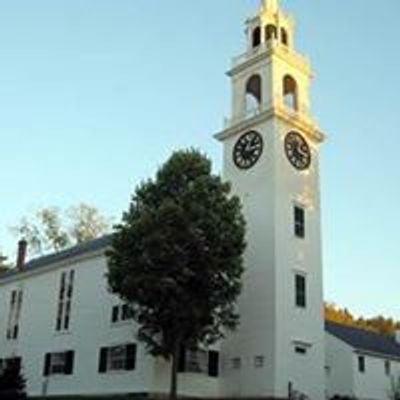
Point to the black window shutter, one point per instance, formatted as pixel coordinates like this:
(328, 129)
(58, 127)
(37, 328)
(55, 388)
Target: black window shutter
(69, 362)
(130, 357)
(47, 362)
(115, 314)
(103, 360)
(213, 363)
(181, 359)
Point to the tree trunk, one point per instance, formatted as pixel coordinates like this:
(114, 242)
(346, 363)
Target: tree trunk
(173, 394)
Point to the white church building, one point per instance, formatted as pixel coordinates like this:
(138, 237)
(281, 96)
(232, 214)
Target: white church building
(72, 337)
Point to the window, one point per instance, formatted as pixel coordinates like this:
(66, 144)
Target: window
(270, 32)
(236, 363)
(387, 368)
(117, 358)
(59, 363)
(253, 93)
(256, 38)
(284, 37)
(64, 301)
(290, 93)
(14, 314)
(361, 364)
(196, 361)
(120, 313)
(299, 349)
(299, 222)
(300, 283)
(199, 361)
(259, 361)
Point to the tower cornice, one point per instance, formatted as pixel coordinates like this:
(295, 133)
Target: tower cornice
(267, 51)
(300, 122)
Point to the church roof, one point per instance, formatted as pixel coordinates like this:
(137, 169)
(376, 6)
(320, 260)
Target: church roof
(363, 340)
(75, 251)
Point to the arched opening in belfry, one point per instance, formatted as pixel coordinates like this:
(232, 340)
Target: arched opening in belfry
(284, 37)
(256, 37)
(270, 32)
(290, 92)
(253, 93)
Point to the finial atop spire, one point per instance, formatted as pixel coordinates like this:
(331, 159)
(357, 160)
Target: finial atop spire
(271, 5)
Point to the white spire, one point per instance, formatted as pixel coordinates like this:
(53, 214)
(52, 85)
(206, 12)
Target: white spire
(271, 5)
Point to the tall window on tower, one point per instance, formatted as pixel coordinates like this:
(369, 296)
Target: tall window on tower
(65, 300)
(290, 95)
(299, 216)
(301, 290)
(256, 37)
(253, 94)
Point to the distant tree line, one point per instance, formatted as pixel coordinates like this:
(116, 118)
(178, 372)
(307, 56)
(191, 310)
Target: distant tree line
(378, 324)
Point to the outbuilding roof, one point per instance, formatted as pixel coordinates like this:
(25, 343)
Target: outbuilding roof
(363, 340)
(75, 251)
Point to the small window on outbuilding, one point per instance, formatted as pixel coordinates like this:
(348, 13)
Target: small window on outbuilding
(361, 364)
(256, 37)
(270, 32)
(284, 37)
(290, 95)
(253, 93)
(387, 368)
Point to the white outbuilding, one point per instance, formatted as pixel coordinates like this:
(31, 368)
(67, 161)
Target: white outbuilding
(360, 363)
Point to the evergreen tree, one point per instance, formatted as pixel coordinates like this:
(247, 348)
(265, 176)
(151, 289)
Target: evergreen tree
(177, 258)
(12, 383)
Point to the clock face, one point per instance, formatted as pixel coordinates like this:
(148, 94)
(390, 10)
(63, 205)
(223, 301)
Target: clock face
(248, 150)
(297, 151)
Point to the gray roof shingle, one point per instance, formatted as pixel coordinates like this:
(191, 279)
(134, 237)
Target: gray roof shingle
(35, 264)
(364, 340)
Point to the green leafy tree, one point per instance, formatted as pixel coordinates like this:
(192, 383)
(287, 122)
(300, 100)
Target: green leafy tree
(12, 382)
(50, 229)
(4, 264)
(86, 223)
(177, 258)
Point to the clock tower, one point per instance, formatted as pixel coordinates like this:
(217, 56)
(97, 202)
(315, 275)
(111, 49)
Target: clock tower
(271, 156)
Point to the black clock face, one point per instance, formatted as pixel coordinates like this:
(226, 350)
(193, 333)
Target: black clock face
(297, 151)
(248, 150)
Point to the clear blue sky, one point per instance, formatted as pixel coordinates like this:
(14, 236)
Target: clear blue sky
(95, 94)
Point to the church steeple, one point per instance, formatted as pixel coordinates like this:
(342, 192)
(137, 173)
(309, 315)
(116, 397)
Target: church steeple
(271, 157)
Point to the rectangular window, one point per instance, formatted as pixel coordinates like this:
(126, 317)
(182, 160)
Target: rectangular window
(387, 368)
(299, 222)
(199, 361)
(236, 363)
(65, 301)
(361, 364)
(14, 314)
(120, 313)
(301, 291)
(196, 361)
(300, 349)
(59, 363)
(117, 358)
(259, 361)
